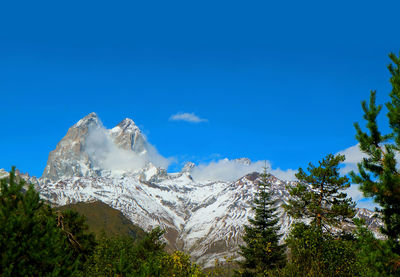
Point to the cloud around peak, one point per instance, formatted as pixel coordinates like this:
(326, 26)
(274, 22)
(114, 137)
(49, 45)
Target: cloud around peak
(188, 117)
(105, 154)
(231, 170)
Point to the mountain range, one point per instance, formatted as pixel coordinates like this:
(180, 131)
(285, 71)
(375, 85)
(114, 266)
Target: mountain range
(117, 166)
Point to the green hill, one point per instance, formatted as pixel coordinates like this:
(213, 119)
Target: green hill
(102, 218)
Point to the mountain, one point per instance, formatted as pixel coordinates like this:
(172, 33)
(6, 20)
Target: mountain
(84, 151)
(120, 168)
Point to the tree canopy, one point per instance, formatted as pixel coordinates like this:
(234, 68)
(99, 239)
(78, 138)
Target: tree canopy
(319, 195)
(379, 172)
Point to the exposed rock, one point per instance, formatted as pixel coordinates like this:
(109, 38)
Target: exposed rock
(69, 158)
(188, 167)
(129, 137)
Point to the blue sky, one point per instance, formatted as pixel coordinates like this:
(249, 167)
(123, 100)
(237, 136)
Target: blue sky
(275, 80)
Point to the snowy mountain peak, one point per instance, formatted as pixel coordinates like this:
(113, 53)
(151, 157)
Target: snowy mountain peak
(90, 150)
(188, 167)
(128, 125)
(245, 161)
(91, 119)
(129, 137)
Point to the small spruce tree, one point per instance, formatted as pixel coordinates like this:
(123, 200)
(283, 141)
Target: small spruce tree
(262, 250)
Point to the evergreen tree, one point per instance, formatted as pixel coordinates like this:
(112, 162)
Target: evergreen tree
(74, 228)
(374, 256)
(31, 244)
(319, 194)
(316, 253)
(379, 173)
(262, 251)
(319, 197)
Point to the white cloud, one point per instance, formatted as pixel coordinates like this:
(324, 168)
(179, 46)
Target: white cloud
(354, 192)
(188, 117)
(353, 156)
(286, 175)
(105, 154)
(231, 170)
(367, 203)
(362, 202)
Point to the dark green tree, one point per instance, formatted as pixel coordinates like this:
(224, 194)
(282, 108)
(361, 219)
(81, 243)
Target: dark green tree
(319, 195)
(125, 256)
(262, 250)
(379, 174)
(31, 244)
(74, 228)
(316, 253)
(374, 256)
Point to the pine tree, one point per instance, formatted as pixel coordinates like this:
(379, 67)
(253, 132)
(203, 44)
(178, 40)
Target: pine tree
(319, 194)
(319, 197)
(316, 253)
(379, 174)
(31, 243)
(374, 256)
(74, 228)
(262, 251)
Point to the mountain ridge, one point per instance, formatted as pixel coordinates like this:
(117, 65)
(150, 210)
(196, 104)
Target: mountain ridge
(203, 218)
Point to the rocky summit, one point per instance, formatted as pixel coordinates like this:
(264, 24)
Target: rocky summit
(120, 168)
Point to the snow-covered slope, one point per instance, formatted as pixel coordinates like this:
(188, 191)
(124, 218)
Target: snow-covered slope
(3, 173)
(205, 219)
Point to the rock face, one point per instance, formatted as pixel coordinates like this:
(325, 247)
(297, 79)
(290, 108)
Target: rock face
(128, 136)
(205, 219)
(73, 156)
(69, 158)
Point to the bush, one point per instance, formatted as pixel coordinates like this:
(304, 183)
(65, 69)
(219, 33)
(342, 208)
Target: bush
(313, 253)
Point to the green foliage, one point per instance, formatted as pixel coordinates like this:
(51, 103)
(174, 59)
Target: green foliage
(314, 253)
(74, 228)
(374, 255)
(262, 250)
(178, 264)
(223, 268)
(379, 175)
(319, 196)
(31, 244)
(122, 256)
